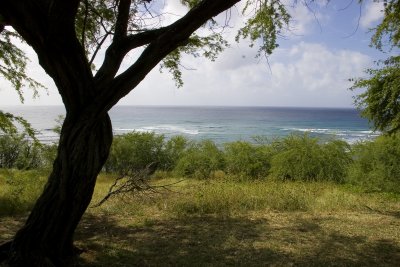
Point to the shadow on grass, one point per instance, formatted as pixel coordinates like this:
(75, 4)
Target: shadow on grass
(216, 241)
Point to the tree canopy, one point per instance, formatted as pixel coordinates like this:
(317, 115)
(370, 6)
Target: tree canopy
(380, 103)
(120, 27)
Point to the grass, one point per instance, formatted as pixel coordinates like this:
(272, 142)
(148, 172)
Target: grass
(227, 223)
(19, 190)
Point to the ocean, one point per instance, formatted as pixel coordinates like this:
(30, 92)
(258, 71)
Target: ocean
(220, 124)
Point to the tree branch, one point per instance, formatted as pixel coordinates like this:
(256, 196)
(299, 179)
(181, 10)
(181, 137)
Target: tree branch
(99, 45)
(84, 23)
(117, 51)
(121, 26)
(170, 38)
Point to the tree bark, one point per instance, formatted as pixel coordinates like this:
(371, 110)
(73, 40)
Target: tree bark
(47, 237)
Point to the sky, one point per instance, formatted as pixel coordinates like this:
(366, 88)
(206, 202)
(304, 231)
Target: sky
(327, 44)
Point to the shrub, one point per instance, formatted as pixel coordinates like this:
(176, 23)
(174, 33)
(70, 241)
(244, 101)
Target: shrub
(48, 155)
(304, 158)
(246, 160)
(173, 151)
(200, 160)
(18, 152)
(9, 151)
(134, 151)
(337, 158)
(376, 164)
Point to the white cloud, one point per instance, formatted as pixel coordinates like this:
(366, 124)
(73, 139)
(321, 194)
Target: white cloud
(372, 14)
(304, 75)
(317, 76)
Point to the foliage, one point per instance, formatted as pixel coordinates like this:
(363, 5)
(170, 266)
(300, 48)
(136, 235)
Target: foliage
(174, 149)
(134, 151)
(267, 20)
(380, 103)
(9, 122)
(18, 152)
(48, 154)
(300, 157)
(389, 27)
(247, 160)
(376, 164)
(13, 63)
(96, 22)
(200, 160)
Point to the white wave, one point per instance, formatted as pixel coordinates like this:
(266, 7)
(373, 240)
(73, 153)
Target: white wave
(160, 129)
(351, 136)
(171, 128)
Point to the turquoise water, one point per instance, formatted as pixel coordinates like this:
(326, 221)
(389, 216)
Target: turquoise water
(221, 124)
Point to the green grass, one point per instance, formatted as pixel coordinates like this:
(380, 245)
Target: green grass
(222, 222)
(194, 197)
(19, 190)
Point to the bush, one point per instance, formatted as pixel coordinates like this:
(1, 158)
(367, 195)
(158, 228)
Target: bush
(173, 151)
(9, 151)
(304, 158)
(18, 152)
(200, 160)
(376, 164)
(48, 155)
(134, 151)
(246, 160)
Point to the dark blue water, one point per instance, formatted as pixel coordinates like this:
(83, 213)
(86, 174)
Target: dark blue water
(221, 124)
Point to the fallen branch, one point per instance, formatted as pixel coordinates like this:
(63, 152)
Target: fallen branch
(134, 182)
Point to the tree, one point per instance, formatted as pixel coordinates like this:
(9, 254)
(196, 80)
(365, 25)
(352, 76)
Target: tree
(67, 36)
(380, 103)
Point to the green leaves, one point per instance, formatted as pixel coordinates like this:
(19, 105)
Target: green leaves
(13, 64)
(380, 103)
(94, 22)
(304, 158)
(190, 3)
(8, 121)
(267, 20)
(376, 166)
(389, 28)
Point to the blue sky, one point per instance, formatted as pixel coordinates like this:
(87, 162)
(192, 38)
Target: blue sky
(327, 44)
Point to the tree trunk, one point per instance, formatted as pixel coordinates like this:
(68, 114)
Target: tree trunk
(47, 237)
